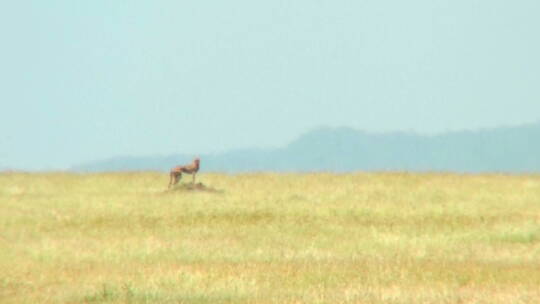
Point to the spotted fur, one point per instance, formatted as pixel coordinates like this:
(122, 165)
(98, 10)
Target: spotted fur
(176, 172)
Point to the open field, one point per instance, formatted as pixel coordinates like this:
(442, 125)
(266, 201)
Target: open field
(270, 238)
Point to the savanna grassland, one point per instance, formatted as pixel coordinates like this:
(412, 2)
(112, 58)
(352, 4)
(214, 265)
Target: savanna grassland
(270, 238)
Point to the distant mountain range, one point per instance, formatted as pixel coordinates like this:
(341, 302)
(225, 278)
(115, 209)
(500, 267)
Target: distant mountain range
(504, 149)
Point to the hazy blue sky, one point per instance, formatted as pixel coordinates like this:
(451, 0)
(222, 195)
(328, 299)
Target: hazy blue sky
(85, 80)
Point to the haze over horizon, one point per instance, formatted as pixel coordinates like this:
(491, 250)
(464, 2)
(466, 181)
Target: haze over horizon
(83, 81)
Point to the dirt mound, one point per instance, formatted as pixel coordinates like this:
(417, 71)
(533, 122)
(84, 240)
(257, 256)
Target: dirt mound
(198, 187)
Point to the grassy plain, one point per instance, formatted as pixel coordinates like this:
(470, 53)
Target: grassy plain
(270, 238)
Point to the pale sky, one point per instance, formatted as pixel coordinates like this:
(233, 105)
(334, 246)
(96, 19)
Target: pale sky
(87, 80)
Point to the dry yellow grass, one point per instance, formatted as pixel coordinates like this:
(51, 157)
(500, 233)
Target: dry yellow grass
(270, 238)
